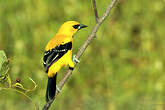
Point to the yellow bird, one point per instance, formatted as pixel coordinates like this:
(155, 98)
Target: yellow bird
(58, 53)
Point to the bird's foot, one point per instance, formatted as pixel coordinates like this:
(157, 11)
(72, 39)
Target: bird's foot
(58, 89)
(75, 60)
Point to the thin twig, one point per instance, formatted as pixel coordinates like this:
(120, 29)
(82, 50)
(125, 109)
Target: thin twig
(82, 49)
(29, 98)
(95, 11)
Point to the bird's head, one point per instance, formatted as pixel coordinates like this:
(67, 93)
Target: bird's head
(70, 27)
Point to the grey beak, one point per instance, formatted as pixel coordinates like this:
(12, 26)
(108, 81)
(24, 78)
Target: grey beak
(82, 26)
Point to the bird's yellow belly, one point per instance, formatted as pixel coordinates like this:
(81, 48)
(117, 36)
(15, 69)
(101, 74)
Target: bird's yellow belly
(63, 61)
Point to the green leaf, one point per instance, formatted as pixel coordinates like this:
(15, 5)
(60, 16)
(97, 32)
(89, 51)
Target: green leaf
(3, 59)
(4, 77)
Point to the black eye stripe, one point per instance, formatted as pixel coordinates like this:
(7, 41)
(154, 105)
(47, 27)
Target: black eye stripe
(76, 26)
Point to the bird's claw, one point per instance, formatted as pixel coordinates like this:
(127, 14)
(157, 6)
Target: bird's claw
(58, 89)
(75, 60)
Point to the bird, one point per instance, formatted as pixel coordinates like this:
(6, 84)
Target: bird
(58, 53)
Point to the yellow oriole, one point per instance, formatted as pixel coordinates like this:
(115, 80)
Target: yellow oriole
(58, 53)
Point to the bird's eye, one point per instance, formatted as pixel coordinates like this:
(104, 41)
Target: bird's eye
(76, 26)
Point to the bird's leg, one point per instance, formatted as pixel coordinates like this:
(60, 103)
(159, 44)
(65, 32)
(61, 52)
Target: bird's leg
(75, 60)
(58, 89)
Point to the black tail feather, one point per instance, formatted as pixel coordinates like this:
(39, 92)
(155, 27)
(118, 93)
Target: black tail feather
(51, 88)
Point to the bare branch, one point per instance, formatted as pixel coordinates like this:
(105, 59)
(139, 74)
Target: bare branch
(95, 11)
(82, 49)
(106, 13)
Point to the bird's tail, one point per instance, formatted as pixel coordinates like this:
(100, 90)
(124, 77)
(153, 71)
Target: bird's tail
(51, 88)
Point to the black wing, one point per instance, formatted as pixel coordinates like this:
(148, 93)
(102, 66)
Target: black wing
(56, 53)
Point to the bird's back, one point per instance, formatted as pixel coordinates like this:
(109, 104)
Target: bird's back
(58, 40)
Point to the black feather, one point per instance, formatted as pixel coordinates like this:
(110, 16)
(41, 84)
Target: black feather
(76, 26)
(51, 88)
(55, 54)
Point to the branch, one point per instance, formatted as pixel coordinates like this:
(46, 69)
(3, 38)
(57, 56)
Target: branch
(95, 11)
(82, 49)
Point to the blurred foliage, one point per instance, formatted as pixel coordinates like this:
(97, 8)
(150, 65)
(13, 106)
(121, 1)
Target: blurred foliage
(6, 82)
(122, 69)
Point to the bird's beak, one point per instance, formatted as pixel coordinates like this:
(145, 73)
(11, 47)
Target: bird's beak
(82, 26)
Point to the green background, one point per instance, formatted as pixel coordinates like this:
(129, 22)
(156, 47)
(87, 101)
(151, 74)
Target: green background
(122, 69)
